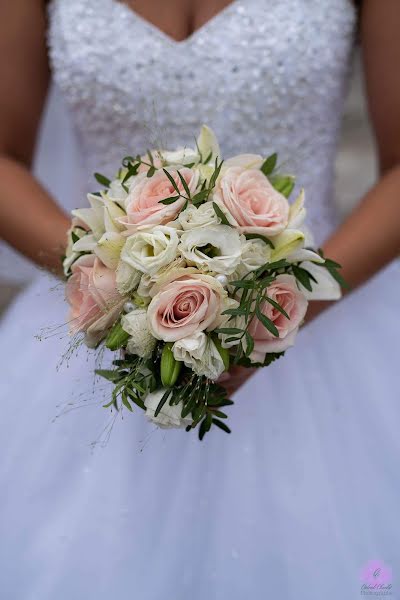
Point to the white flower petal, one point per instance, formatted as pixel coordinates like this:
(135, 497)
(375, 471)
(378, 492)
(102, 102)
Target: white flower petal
(108, 249)
(327, 287)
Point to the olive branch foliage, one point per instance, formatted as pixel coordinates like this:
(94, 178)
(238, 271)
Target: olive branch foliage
(204, 400)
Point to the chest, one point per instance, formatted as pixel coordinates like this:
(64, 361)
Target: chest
(254, 63)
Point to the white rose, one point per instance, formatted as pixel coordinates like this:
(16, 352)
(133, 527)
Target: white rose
(148, 281)
(141, 341)
(169, 416)
(217, 248)
(255, 254)
(149, 251)
(200, 354)
(193, 217)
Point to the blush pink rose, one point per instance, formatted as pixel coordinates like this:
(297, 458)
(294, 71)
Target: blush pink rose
(93, 298)
(143, 206)
(252, 201)
(285, 292)
(184, 306)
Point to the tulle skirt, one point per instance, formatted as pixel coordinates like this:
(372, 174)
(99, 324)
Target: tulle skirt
(302, 494)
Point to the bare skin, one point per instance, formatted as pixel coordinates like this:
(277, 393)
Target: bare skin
(367, 241)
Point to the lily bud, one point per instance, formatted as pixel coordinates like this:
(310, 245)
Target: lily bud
(224, 353)
(117, 337)
(170, 368)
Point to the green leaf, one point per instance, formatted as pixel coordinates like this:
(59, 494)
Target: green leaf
(102, 179)
(268, 324)
(275, 266)
(162, 402)
(220, 214)
(207, 160)
(169, 200)
(131, 172)
(269, 164)
(184, 184)
(277, 306)
(258, 236)
(221, 425)
(116, 338)
(243, 283)
(137, 401)
(125, 402)
(202, 429)
(113, 376)
(337, 276)
(200, 197)
(127, 160)
(220, 414)
(151, 172)
(74, 237)
(249, 343)
(304, 277)
(235, 311)
(198, 412)
(228, 330)
(169, 366)
(173, 182)
(223, 352)
(283, 184)
(214, 176)
(149, 154)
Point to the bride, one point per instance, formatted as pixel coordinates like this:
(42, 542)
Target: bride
(304, 494)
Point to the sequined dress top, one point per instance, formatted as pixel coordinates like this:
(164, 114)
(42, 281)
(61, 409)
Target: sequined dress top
(266, 76)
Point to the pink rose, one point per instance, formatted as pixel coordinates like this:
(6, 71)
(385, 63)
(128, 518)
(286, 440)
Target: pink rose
(143, 206)
(93, 297)
(285, 292)
(184, 306)
(252, 201)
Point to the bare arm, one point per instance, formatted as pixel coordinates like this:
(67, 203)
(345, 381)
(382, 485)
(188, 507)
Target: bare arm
(370, 237)
(29, 219)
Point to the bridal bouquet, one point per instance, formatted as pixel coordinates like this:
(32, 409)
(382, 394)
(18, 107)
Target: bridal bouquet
(187, 264)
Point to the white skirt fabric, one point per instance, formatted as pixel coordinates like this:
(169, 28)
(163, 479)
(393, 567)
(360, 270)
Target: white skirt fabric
(291, 505)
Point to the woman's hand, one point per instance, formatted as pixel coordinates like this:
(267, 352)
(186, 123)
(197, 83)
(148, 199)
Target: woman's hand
(235, 378)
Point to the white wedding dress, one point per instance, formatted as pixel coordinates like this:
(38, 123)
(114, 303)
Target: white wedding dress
(305, 490)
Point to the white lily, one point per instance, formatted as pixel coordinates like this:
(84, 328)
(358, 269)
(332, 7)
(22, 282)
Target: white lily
(112, 212)
(327, 287)
(93, 217)
(304, 254)
(109, 247)
(87, 243)
(183, 156)
(116, 193)
(127, 278)
(246, 161)
(286, 243)
(208, 145)
(297, 212)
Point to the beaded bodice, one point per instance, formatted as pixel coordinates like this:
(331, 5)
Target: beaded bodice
(265, 75)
